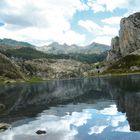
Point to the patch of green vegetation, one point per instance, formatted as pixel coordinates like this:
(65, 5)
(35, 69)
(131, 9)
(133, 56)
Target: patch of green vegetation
(24, 53)
(35, 80)
(27, 53)
(126, 62)
(124, 65)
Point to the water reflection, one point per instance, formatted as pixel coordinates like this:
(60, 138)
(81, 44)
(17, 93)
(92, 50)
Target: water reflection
(99, 108)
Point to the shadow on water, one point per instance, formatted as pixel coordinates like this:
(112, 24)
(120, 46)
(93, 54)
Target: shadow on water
(27, 100)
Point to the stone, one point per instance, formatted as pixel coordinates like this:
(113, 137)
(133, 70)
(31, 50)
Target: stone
(114, 53)
(40, 132)
(2, 107)
(128, 40)
(134, 68)
(4, 126)
(130, 34)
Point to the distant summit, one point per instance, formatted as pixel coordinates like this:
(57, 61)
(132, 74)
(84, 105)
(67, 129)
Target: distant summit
(56, 48)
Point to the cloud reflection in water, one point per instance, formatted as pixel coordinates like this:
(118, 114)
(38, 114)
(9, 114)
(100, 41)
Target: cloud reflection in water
(66, 127)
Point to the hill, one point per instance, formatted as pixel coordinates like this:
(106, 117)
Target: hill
(13, 44)
(24, 53)
(27, 53)
(8, 69)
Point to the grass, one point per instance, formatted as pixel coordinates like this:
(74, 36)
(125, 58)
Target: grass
(16, 81)
(127, 62)
(35, 80)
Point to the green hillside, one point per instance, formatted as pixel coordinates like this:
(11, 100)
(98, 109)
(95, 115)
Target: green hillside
(31, 53)
(125, 64)
(8, 69)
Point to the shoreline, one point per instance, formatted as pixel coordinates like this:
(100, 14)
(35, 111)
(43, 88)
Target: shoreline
(32, 81)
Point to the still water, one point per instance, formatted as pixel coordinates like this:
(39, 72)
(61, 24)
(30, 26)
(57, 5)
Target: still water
(86, 109)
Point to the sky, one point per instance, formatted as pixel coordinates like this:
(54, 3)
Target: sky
(80, 22)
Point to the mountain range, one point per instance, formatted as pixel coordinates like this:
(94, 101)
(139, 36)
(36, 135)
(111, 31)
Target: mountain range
(56, 48)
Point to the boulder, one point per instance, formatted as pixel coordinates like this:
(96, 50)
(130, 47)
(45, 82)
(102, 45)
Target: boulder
(39, 132)
(4, 126)
(2, 107)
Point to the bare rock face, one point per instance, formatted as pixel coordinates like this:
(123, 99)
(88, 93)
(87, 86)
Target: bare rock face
(114, 53)
(130, 34)
(128, 40)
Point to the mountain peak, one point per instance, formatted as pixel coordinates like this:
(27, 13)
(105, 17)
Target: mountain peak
(93, 48)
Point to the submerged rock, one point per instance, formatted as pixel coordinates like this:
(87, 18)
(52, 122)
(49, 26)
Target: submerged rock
(2, 106)
(4, 126)
(39, 132)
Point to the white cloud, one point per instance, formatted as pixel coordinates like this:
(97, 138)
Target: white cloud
(109, 5)
(97, 129)
(60, 128)
(103, 39)
(91, 26)
(117, 119)
(95, 6)
(41, 20)
(102, 34)
(112, 110)
(125, 128)
(94, 28)
(106, 5)
(112, 20)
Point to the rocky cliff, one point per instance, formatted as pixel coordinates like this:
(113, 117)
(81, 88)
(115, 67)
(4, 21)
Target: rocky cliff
(128, 40)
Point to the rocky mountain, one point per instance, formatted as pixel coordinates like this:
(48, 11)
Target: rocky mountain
(125, 53)
(13, 44)
(54, 68)
(129, 38)
(41, 68)
(56, 48)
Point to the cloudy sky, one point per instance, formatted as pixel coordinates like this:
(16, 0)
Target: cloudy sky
(65, 21)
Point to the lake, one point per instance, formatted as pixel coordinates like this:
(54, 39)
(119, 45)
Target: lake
(105, 108)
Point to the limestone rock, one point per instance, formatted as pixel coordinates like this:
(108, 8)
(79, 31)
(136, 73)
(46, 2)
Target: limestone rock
(114, 53)
(129, 34)
(128, 40)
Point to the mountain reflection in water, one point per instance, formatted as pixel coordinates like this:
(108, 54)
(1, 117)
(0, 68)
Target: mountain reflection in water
(84, 109)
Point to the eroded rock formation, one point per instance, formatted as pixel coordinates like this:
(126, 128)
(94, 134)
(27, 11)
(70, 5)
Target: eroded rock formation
(128, 40)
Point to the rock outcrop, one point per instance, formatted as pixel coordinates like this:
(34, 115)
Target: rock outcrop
(4, 126)
(114, 53)
(128, 40)
(8, 69)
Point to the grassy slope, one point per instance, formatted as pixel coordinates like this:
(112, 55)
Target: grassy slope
(30, 53)
(8, 69)
(123, 65)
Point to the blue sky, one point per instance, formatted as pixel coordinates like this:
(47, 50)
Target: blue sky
(64, 21)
